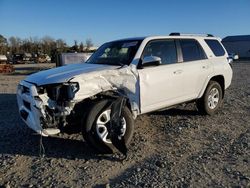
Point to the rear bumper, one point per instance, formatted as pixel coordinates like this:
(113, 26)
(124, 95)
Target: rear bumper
(228, 76)
(28, 106)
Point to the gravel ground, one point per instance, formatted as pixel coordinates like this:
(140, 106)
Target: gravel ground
(172, 148)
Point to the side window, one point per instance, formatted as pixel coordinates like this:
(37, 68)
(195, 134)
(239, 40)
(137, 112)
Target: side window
(165, 49)
(216, 47)
(191, 50)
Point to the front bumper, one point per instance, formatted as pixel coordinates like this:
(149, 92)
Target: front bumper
(29, 106)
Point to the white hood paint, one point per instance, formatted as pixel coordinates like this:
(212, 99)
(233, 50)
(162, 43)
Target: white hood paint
(95, 82)
(93, 79)
(123, 79)
(65, 73)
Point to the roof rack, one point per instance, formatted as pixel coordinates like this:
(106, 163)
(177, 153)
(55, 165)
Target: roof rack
(182, 34)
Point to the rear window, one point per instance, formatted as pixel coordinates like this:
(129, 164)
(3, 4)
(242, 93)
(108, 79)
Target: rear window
(191, 50)
(216, 47)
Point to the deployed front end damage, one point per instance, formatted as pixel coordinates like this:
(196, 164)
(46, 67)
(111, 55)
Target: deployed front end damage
(46, 108)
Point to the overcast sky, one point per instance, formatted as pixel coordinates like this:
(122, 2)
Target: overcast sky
(105, 20)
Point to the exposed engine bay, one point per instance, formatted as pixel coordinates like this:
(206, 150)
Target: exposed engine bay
(49, 108)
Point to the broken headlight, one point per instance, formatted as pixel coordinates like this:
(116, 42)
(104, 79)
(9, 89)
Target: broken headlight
(74, 86)
(62, 92)
(40, 90)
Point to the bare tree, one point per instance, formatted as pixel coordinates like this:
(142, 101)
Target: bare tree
(37, 45)
(3, 45)
(89, 43)
(15, 43)
(60, 43)
(81, 47)
(27, 45)
(48, 44)
(75, 47)
(3, 40)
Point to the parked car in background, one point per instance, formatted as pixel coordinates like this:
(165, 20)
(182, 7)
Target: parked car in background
(3, 59)
(4, 66)
(22, 58)
(232, 57)
(43, 58)
(17, 59)
(27, 57)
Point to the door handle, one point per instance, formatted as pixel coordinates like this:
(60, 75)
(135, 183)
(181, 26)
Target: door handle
(205, 66)
(178, 72)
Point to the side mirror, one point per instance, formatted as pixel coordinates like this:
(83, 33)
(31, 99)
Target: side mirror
(151, 61)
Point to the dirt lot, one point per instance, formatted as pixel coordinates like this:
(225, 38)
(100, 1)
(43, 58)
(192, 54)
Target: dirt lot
(172, 148)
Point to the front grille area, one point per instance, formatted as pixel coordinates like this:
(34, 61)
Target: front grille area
(24, 114)
(25, 89)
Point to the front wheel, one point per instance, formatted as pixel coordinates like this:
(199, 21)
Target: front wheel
(211, 100)
(95, 129)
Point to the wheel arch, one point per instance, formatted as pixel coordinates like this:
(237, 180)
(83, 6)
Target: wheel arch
(110, 94)
(218, 78)
(81, 109)
(221, 80)
(113, 94)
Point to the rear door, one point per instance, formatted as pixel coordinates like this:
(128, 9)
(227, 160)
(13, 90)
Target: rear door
(196, 67)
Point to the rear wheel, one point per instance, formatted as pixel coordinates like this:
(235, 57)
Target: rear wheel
(95, 129)
(212, 99)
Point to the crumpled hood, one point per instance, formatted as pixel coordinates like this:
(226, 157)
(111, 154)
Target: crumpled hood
(65, 73)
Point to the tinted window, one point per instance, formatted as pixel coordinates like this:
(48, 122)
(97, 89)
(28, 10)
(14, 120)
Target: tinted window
(165, 49)
(216, 47)
(191, 50)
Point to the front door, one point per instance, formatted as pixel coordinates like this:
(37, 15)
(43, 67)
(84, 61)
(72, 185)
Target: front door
(160, 86)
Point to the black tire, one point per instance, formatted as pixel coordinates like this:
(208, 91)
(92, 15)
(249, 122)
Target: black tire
(203, 103)
(89, 131)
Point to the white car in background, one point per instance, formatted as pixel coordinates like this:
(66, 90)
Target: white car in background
(3, 59)
(124, 79)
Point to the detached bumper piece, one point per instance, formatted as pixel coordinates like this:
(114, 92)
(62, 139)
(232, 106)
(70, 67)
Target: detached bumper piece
(27, 105)
(44, 109)
(116, 125)
(24, 114)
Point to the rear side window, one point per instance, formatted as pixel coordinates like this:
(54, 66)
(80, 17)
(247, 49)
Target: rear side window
(216, 47)
(191, 50)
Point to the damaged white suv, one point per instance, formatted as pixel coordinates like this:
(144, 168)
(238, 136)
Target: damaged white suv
(123, 79)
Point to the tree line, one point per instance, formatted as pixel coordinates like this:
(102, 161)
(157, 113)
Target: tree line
(44, 45)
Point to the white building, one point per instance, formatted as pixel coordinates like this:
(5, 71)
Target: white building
(72, 58)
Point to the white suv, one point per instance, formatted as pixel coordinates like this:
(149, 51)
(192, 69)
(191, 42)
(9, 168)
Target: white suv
(123, 79)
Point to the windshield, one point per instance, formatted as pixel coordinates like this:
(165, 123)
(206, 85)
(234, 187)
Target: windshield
(115, 53)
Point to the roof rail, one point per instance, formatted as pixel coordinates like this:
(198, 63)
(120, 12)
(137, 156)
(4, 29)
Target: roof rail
(182, 34)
